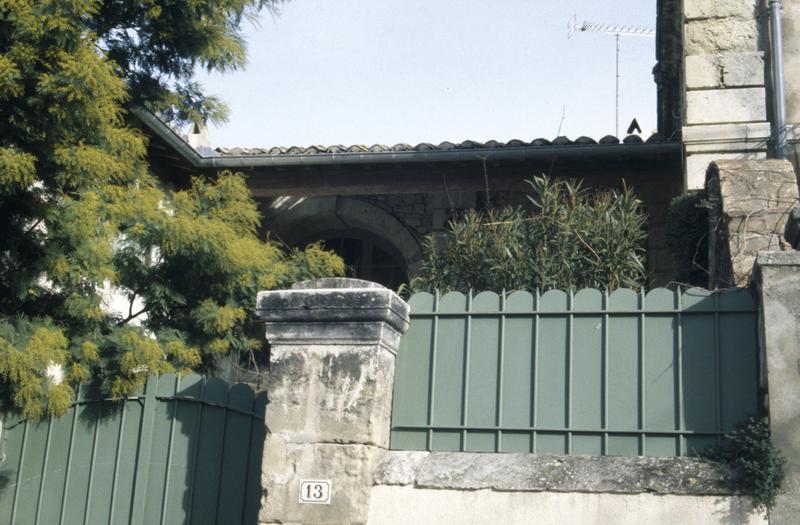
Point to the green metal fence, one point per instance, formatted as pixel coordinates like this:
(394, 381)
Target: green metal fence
(187, 450)
(664, 373)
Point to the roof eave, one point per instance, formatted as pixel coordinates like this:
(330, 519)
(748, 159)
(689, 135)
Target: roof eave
(535, 153)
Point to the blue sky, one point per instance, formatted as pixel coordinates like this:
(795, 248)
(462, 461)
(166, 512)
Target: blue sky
(388, 71)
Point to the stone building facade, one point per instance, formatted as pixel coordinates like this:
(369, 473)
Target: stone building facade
(718, 52)
(376, 205)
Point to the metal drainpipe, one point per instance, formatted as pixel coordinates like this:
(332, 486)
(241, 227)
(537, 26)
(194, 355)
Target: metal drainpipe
(779, 128)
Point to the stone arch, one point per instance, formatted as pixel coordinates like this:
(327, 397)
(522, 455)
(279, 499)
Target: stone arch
(298, 220)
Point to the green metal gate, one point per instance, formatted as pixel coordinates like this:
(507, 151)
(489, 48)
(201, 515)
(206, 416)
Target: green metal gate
(625, 373)
(187, 450)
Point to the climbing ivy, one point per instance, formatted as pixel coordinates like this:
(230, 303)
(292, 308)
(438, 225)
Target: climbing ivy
(758, 467)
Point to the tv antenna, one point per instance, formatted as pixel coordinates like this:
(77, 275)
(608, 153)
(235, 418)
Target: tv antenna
(616, 31)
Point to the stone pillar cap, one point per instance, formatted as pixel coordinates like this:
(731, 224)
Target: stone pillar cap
(334, 300)
(335, 283)
(775, 258)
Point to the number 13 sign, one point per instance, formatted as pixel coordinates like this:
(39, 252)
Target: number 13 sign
(315, 491)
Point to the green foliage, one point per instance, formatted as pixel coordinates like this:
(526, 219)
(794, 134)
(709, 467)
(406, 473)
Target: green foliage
(687, 237)
(758, 467)
(27, 351)
(569, 237)
(156, 45)
(83, 220)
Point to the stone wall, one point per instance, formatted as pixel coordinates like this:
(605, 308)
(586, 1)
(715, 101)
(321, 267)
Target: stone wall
(750, 206)
(331, 379)
(725, 114)
(446, 488)
(424, 212)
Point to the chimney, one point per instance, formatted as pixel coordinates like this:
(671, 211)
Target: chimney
(198, 137)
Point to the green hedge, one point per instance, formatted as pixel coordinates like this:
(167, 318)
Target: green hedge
(687, 237)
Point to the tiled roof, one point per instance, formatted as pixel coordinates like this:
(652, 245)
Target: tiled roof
(444, 146)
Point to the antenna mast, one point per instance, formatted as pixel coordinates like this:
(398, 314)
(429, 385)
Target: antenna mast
(617, 31)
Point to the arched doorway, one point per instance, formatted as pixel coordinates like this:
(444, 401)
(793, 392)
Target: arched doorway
(368, 257)
(374, 245)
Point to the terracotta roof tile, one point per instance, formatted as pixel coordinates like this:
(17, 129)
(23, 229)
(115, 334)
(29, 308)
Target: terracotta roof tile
(443, 146)
(609, 139)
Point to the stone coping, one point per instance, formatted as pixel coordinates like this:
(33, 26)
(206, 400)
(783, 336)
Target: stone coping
(331, 283)
(539, 473)
(336, 300)
(774, 258)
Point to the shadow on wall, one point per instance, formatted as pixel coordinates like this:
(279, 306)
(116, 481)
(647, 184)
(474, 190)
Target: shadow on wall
(734, 511)
(223, 433)
(5, 479)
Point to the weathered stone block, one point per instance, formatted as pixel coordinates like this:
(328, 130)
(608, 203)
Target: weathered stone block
(719, 8)
(724, 70)
(703, 71)
(748, 133)
(324, 313)
(751, 201)
(539, 472)
(399, 467)
(748, 186)
(791, 54)
(324, 305)
(697, 164)
(720, 35)
(349, 467)
(726, 105)
(742, 69)
(331, 394)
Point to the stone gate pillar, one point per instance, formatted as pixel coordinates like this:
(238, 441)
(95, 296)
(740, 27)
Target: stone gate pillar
(778, 280)
(333, 345)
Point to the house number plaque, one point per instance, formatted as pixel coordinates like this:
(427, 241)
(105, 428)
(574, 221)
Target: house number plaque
(316, 491)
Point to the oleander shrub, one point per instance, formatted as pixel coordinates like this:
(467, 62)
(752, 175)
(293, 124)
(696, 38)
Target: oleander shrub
(567, 237)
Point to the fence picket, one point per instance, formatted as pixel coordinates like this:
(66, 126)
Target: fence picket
(231, 481)
(145, 450)
(553, 385)
(448, 384)
(415, 407)
(49, 505)
(587, 372)
(251, 495)
(484, 353)
(517, 373)
(209, 454)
